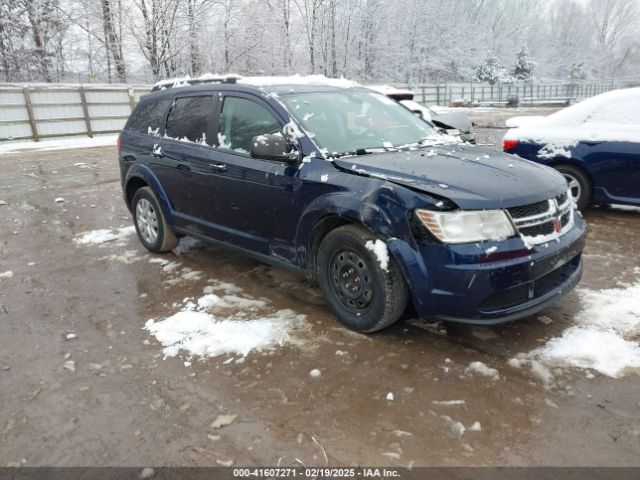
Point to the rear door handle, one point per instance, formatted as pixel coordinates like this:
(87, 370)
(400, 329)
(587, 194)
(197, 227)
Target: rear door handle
(219, 167)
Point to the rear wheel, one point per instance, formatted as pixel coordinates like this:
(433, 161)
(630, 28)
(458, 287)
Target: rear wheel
(362, 295)
(579, 184)
(152, 227)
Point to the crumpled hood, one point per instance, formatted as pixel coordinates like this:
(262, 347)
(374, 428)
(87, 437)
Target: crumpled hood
(453, 120)
(472, 177)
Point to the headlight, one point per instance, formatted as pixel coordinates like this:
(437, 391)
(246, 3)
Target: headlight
(467, 226)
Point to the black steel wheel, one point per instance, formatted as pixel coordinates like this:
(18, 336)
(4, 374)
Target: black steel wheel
(362, 294)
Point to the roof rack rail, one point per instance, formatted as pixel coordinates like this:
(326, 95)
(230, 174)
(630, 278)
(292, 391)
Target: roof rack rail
(185, 81)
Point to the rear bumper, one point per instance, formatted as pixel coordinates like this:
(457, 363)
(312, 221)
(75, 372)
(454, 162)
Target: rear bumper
(464, 283)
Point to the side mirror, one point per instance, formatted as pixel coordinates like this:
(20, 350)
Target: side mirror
(272, 147)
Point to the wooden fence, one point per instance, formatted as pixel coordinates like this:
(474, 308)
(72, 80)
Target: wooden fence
(43, 111)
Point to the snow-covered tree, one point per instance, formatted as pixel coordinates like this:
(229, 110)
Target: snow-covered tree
(492, 71)
(524, 66)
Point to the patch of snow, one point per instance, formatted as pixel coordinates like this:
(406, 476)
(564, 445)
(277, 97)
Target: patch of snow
(448, 402)
(292, 131)
(58, 144)
(198, 332)
(59, 200)
(7, 274)
(490, 250)
(603, 337)
(476, 427)
(457, 428)
(390, 397)
(551, 150)
(379, 248)
(324, 178)
(315, 373)
(482, 369)
(186, 244)
(99, 237)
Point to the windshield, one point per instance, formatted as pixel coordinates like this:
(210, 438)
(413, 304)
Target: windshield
(352, 121)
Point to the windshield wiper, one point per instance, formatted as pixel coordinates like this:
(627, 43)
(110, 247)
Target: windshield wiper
(357, 152)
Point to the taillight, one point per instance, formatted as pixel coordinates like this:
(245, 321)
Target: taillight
(509, 144)
(118, 143)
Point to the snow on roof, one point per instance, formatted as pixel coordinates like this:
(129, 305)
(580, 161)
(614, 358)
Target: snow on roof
(265, 81)
(389, 90)
(611, 116)
(187, 80)
(318, 80)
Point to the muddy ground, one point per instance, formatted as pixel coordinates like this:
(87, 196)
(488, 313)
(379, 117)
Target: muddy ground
(119, 402)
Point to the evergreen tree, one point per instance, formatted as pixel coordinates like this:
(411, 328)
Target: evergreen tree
(524, 66)
(493, 71)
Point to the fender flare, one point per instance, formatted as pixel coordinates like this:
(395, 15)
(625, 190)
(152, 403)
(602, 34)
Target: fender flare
(144, 173)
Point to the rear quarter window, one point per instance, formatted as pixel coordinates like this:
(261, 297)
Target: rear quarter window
(148, 117)
(192, 119)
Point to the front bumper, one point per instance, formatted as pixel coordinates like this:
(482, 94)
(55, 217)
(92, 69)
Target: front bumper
(472, 284)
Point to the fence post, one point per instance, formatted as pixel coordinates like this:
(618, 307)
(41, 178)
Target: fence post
(85, 111)
(438, 95)
(32, 118)
(132, 100)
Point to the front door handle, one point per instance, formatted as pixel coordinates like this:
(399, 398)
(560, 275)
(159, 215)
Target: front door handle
(184, 167)
(219, 167)
(592, 143)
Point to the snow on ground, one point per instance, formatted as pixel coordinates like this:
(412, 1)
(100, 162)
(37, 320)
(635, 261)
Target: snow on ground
(604, 337)
(58, 144)
(186, 244)
(211, 326)
(102, 236)
(379, 248)
(482, 369)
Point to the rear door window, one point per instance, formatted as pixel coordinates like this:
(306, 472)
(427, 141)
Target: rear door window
(148, 117)
(241, 120)
(191, 119)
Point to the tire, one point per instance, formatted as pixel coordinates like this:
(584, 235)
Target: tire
(156, 236)
(579, 183)
(362, 295)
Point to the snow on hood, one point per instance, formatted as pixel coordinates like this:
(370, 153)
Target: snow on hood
(472, 177)
(611, 116)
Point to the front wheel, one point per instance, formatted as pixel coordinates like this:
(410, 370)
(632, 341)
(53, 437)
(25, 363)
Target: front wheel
(154, 232)
(362, 285)
(579, 184)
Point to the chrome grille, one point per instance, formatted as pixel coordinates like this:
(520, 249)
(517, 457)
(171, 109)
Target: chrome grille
(541, 221)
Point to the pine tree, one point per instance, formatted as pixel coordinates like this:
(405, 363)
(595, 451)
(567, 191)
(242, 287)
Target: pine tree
(524, 65)
(492, 71)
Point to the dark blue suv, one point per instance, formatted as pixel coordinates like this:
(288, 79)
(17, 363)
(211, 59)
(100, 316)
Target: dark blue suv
(352, 190)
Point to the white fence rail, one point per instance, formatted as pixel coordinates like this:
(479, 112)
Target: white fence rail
(528, 94)
(41, 111)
